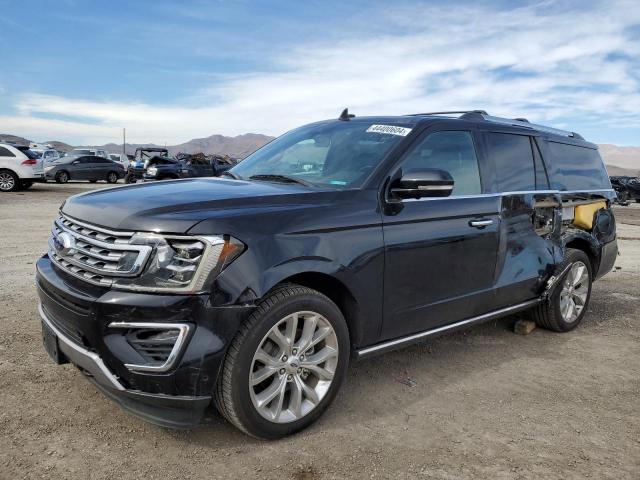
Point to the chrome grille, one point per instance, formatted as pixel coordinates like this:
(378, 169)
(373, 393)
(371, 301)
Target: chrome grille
(95, 254)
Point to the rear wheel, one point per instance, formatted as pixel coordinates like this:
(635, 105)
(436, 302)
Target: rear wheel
(62, 177)
(285, 365)
(568, 304)
(9, 181)
(112, 177)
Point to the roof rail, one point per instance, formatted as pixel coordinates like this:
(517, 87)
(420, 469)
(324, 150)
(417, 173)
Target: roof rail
(522, 122)
(517, 122)
(453, 112)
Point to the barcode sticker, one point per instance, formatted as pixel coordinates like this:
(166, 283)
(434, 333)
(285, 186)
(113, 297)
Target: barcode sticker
(389, 129)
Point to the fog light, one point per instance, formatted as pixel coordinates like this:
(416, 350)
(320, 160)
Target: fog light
(159, 344)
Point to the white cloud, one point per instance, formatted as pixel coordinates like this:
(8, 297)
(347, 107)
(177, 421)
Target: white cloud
(563, 64)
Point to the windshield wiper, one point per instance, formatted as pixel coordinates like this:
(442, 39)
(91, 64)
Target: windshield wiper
(227, 173)
(281, 179)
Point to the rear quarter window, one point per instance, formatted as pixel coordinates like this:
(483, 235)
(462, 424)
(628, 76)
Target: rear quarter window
(576, 168)
(5, 152)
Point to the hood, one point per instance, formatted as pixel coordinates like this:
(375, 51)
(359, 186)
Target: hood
(176, 206)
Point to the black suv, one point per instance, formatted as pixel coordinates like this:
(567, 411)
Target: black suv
(339, 240)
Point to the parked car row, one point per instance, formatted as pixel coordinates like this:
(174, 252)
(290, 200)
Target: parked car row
(627, 188)
(153, 164)
(84, 167)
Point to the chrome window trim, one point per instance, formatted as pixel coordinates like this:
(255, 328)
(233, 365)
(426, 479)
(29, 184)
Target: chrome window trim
(183, 332)
(502, 194)
(102, 373)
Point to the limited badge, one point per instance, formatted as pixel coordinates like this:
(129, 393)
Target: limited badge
(389, 129)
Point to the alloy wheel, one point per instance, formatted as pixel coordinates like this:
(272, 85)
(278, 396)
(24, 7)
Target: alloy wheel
(7, 182)
(575, 289)
(293, 367)
(112, 178)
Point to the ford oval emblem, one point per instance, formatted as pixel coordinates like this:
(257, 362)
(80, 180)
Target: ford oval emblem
(63, 243)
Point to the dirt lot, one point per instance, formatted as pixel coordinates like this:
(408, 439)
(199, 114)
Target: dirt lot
(487, 403)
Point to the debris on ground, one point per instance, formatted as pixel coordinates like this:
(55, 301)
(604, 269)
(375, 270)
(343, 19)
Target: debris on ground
(524, 327)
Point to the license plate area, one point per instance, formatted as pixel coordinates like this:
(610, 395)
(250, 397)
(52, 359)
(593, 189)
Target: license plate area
(50, 343)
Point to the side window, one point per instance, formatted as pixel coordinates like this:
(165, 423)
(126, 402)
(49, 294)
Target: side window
(452, 151)
(577, 168)
(513, 160)
(5, 152)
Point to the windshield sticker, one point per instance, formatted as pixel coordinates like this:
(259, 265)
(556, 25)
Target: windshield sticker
(389, 129)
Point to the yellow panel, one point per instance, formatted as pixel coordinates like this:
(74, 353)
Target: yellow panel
(583, 216)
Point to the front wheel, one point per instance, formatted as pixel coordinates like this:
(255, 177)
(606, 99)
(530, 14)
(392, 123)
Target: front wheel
(129, 178)
(285, 365)
(568, 304)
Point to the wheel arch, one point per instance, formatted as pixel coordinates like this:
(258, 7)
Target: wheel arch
(336, 291)
(581, 240)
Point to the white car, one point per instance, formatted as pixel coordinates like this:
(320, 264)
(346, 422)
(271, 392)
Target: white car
(89, 151)
(47, 156)
(19, 168)
(120, 158)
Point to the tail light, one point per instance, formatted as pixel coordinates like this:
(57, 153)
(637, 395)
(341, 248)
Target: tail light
(31, 161)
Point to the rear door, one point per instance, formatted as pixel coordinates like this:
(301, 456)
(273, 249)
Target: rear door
(101, 166)
(80, 168)
(440, 253)
(530, 216)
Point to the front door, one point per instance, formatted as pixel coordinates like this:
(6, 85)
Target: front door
(440, 253)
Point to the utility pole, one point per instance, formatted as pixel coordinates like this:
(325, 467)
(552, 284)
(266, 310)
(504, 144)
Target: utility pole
(124, 141)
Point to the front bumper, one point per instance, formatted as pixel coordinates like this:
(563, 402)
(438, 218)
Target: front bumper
(165, 410)
(79, 315)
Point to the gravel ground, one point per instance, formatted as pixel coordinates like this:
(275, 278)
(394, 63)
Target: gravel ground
(487, 403)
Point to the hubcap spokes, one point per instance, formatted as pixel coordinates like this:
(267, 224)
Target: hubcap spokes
(575, 289)
(294, 366)
(6, 181)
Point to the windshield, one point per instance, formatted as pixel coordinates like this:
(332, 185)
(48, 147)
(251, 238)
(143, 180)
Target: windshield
(78, 151)
(339, 154)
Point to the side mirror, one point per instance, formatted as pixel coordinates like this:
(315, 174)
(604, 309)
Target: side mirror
(428, 182)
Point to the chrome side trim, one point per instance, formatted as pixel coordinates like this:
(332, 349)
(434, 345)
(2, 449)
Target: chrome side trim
(183, 332)
(81, 357)
(399, 342)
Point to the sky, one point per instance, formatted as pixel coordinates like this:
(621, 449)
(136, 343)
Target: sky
(79, 71)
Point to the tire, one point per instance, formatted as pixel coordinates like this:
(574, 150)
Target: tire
(9, 181)
(238, 399)
(553, 314)
(112, 177)
(26, 184)
(129, 178)
(62, 177)
(623, 197)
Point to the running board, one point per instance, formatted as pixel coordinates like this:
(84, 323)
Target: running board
(417, 337)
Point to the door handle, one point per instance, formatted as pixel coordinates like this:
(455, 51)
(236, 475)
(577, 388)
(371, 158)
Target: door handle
(480, 223)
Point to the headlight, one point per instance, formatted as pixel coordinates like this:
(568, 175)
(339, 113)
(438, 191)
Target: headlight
(153, 171)
(181, 264)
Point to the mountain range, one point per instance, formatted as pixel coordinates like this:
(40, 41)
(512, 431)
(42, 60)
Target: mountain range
(619, 160)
